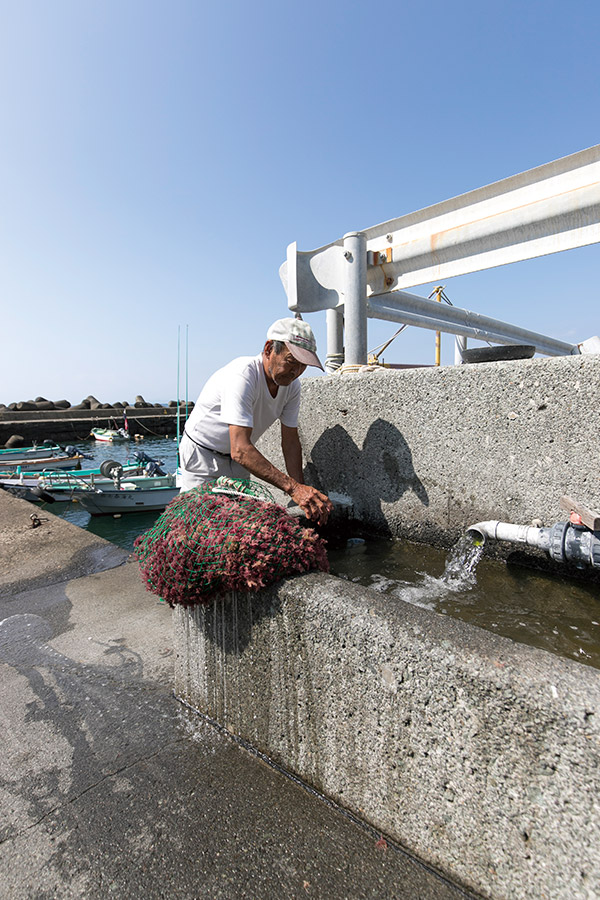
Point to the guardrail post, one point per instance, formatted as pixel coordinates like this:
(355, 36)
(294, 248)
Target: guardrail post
(335, 339)
(355, 297)
(460, 344)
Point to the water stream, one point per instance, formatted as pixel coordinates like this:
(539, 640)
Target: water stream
(462, 562)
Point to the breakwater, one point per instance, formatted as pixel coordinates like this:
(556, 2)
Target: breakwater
(39, 420)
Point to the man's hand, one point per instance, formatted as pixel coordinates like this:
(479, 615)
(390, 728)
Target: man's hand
(316, 505)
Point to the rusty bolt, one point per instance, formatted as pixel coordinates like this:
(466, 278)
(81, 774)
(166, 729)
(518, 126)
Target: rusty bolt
(389, 281)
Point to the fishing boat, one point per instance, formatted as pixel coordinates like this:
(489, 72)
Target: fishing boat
(25, 489)
(30, 485)
(144, 494)
(60, 461)
(37, 451)
(108, 435)
(60, 485)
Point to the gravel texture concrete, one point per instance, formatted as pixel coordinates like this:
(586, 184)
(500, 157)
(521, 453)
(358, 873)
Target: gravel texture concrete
(424, 453)
(480, 755)
(108, 786)
(44, 555)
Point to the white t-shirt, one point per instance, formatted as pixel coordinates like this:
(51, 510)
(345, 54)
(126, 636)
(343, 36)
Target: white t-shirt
(238, 394)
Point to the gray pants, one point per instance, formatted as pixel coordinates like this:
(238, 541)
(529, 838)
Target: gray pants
(197, 465)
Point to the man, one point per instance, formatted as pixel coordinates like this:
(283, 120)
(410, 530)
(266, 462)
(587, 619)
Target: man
(237, 405)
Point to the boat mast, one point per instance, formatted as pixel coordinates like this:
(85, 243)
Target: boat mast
(186, 371)
(178, 407)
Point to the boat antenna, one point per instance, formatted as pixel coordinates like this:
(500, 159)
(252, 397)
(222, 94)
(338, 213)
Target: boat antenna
(186, 370)
(178, 407)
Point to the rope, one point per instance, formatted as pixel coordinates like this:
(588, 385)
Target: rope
(149, 430)
(382, 347)
(348, 369)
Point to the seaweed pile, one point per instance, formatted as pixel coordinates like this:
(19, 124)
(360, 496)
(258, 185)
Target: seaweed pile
(207, 544)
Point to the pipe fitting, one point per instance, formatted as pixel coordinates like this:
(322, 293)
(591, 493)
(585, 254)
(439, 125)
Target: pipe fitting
(563, 542)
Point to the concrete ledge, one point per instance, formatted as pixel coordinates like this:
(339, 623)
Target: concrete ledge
(479, 755)
(56, 551)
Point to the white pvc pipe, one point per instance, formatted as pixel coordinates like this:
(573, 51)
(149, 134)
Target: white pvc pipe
(516, 534)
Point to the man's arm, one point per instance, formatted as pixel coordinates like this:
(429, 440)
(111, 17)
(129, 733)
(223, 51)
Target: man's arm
(292, 452)
(315, 504)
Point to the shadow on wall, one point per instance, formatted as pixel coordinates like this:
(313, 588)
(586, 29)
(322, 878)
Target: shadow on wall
(382, 471)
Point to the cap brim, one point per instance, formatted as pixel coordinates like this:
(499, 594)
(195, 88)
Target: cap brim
(306, 357)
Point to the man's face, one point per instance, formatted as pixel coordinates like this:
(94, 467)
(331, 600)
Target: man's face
(282, 368)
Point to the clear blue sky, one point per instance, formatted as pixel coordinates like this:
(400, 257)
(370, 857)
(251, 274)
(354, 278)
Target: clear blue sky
(156, 158)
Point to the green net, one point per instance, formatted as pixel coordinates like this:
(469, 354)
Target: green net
(224, 536)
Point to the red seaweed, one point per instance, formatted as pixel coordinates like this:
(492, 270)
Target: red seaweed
(205, 545)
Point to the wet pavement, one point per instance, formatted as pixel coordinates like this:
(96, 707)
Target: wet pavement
(108, 786)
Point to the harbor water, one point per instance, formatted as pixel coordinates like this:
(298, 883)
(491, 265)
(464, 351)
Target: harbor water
(559, 615)
(121, 530)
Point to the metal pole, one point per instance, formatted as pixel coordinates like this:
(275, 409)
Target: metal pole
(438, 334)
(401, 306)
(186, 370)
(178, 406)
(335, 339)
(460, 344)
(355, 297)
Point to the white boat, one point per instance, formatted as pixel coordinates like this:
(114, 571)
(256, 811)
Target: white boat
(62, 461)
(112, 433)
(108, 435)
(143, 494)
(37, 451)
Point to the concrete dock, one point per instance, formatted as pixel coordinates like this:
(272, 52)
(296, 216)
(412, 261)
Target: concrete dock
(108, 786)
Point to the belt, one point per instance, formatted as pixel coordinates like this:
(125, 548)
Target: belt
(203, 447)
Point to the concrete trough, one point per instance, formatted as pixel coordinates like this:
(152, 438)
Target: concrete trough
(479, 755)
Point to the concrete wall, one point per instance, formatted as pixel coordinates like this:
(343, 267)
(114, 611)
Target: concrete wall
(479, 755)
(425, 453)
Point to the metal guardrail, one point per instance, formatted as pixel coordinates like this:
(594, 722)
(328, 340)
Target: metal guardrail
(550, 208)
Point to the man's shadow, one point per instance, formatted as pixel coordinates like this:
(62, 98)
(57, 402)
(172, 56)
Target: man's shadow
(381, 472)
